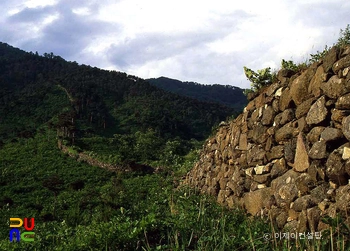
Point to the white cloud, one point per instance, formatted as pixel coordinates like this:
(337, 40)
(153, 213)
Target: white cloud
(203, 41)
(39, 3)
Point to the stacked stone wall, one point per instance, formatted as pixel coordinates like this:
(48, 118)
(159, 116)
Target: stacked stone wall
(287, 156)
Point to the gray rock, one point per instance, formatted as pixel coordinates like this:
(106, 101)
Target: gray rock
(268, 116)
(243, 143)
(303, 203)
(271, 89)
(343, 198)
(257, 200)
(336, 168)
(284, 188)
(303, 108)
(275, 105)
(319, 193)
(338, 115)
(346, 127)
(315, 84)
(330, 134)
(277, 120)
(302, 125)
(278, 168)
(256, 156)
(302, 222)
(275, 153)
(304, 183)
(285, 133)
(299, 87)
(315, 133)
(330, 58)
(343, 102)
(318, 112)
(334, 87)
(313, 218)
(281, 218)
(262, 178)
(285, 73)
(347, 167)
(318, 150)
(263, 169)
(287, 116)
(258, 134)
(289, 150)
(285, 100)
(341, 64)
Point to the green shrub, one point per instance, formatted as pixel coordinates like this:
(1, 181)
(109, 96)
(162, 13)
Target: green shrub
(258, 79)
(319, 55)
(344, 36)
(289, 65)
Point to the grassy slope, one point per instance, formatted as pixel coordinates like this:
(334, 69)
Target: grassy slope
(92, 209)
(125, 210)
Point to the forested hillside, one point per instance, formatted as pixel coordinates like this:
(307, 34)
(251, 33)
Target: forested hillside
(96, 159)
(84, 103)
(55, 113)
(227, 95)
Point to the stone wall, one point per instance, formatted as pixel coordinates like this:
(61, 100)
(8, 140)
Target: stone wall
(126, 167)
(288, 154)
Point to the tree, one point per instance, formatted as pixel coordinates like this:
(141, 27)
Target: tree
(344, 36)
(258, 79)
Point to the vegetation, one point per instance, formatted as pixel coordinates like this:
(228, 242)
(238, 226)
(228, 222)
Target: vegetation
(227, 95)
(319, 55)
(344, 36)
(85, 104)
(80, 207)
(258, 79)
(264, 76)
(118, 119)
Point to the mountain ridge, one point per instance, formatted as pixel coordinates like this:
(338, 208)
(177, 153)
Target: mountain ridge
(84, 102)
(227, 95)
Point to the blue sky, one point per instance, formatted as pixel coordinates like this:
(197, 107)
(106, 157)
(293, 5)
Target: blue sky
(203, 41)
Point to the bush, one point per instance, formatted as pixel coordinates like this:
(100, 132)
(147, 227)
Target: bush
(319, 55)
(258, 79)
(289, 65)
(344, 36)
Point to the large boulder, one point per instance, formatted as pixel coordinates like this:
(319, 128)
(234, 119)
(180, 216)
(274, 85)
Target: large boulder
(341, 64)
(330, 134)
(285, 99)
(334, 87)
(336, 167)
(343, 102)
(255, 201)
(318, 150)
(304, 108)
(330, 58)
(318, 112)
(315, 84)
(299, 87)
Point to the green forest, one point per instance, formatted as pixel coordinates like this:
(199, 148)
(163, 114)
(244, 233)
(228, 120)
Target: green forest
(138, 142)
(227, 95)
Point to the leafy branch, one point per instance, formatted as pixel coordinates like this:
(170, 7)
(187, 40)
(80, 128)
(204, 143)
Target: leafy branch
(258, 79)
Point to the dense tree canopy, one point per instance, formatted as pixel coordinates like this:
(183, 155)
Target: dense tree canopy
(35, 89)
(223, 94)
